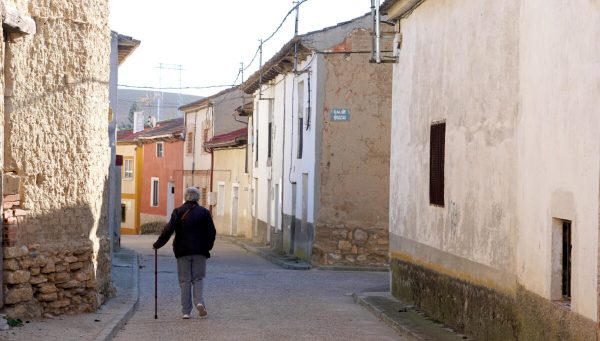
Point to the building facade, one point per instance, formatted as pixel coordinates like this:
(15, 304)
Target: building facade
(320, 132)
(152, 174)
(231, 177)
(205, 119)
(55, 111)
(495, 160)
(162, 171)
(131, 181)
(121, 47)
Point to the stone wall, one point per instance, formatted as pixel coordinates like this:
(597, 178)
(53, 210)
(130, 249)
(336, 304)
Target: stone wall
(351, 226)
(45, 283)
(484, 313)
(56, 159)
(341, 245)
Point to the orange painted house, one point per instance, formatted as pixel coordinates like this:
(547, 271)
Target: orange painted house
(162, 175)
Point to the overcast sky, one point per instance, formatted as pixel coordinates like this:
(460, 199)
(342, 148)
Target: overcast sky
(211, 38)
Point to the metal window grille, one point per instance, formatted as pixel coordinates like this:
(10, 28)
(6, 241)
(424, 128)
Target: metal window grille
(154, 193)
(159, 149)
(190, 142)
(128, 169)
(566, 260)
(436, 163)
(270, 146)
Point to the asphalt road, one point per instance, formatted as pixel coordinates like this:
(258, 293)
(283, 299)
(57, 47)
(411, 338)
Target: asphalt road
(249, 298)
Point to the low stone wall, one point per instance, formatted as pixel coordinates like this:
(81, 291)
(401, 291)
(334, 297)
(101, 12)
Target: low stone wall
(45, 283)
(484, 313)
(344, 246)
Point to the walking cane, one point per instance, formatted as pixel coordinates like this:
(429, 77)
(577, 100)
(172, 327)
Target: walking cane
(155, 282)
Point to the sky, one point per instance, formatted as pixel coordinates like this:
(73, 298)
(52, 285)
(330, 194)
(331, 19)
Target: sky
(209, 39)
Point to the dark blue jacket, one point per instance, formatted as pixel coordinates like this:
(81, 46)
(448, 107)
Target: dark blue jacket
(194, 231)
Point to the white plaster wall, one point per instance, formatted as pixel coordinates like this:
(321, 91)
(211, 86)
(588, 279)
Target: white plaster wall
(262, 170)
(559, 148)
(294, 167)
(285, 167)
(450, 71)
(195, 121)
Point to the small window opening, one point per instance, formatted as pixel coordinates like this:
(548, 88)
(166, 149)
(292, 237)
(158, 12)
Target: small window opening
(190, 142)
(159, 149)
(154, 193)
(300, 120)
(436, 163)
(123, 213)
(566, 260)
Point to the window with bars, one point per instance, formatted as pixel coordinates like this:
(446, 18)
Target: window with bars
(436, 163)
(205, 138)
(128, 169)
(159, 149)
(190, 142)
(154, 192)
(566, 260)
(256, 149)
(300, 120)
(270, 132)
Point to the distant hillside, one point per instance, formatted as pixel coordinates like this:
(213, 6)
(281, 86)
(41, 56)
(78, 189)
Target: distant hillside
(147, 101)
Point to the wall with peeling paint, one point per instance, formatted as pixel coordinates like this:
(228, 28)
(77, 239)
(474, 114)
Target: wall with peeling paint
(471, 82)
(559, 149)
(512, 83)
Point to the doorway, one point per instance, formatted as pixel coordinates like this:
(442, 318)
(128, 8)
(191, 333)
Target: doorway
(170, 198)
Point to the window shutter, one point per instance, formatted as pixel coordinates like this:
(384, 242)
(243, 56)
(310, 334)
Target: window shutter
(436, 163)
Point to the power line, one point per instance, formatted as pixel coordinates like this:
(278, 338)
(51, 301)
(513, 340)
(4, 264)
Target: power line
(274, 33)
(240, 71)
(177, 88)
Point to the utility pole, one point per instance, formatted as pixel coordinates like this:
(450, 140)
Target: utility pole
(296, 35)
(297, 17)
(242, 82)
(260, 56)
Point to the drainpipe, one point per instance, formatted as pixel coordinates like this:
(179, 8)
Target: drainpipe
(212, 154)
(374, 28)
(212, 172)
(377, 32)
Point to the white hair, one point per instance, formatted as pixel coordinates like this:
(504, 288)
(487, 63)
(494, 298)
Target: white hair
(192, 194)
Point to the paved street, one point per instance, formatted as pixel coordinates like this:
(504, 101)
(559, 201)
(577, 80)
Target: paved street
(249, 298)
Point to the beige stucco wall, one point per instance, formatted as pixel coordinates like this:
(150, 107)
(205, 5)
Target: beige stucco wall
(354, 154)
(471, 81)
(229, 169)
(559, 149)
(352, 181)
(55, 132)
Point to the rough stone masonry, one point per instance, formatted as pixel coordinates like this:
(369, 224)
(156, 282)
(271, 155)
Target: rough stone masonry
(55, 158)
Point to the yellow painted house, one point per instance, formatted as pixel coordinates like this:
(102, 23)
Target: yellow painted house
(131, 184)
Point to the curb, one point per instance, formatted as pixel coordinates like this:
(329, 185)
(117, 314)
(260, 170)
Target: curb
(109, 332)
(354, 268)
(400, 329)
(269, 256)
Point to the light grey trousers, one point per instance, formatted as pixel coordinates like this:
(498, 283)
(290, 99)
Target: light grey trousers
(191, 271)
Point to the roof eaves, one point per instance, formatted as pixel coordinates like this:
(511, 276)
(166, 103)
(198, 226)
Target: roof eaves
(281, 62)
(398, 9)
(204, 102)
(126, 46)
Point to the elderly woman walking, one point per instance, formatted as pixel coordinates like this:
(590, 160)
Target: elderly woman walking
(194, 238)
